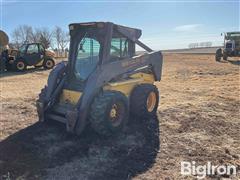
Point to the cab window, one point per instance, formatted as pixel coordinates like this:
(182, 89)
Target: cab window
(87, 57)
(119, 49)
(32, 49)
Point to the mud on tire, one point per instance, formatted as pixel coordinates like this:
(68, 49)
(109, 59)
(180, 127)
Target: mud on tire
(109, 112)
(144, 100)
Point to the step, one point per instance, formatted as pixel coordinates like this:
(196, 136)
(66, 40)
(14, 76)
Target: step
(59, 109)
(56, 117)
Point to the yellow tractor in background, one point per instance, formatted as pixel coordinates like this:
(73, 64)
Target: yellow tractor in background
(31, 54)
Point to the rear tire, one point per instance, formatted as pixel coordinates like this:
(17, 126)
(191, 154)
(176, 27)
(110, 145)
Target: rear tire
(48, 64)
(144, 100)
(109, 113)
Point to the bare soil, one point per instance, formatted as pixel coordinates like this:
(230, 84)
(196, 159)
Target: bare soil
(198, 120)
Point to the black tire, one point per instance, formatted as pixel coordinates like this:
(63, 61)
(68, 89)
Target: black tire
(139, 100)
(102, 109)
(20, 65)
(48, 63)
(2, 65)
(218, 55)
(42, 95)
(41, 99)
(225, 57)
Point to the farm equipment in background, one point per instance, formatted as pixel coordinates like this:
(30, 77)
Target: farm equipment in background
(4, 40)
(32, 54)
(103, 81)
(231, 46)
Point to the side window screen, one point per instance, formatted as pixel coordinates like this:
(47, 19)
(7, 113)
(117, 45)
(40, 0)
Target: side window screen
(32, 48)
(87, 57)
(119, 48)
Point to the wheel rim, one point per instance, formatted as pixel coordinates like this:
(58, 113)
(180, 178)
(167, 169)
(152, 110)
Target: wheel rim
(151, 101)
(116, 114)
(49, 64)
(20, 65)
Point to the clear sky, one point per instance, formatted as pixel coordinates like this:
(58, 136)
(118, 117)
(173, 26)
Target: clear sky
(164, 24)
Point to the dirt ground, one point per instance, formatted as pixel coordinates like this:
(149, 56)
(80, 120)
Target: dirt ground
(198, 120)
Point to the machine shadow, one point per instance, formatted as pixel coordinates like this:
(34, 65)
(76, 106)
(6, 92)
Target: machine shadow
(30, 152)
(235, 62)
(15, 73)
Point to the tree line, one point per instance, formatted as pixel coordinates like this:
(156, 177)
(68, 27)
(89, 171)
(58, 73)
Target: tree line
(56, 39)
(199, 45)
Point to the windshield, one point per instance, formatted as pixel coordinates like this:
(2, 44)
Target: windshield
(232, 36)
(87, 57)
(22, 48)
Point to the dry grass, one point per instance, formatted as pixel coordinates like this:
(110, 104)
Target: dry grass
(198, 115)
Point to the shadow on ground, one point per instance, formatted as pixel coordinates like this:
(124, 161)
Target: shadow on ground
(14, 73)
(46, 151)
(234, 62)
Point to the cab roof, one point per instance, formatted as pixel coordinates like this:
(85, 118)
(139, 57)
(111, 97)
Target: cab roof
(131, 33)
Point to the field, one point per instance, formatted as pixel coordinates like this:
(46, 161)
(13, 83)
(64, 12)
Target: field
(198, 120)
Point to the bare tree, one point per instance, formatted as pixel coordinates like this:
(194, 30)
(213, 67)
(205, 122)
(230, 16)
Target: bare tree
(16, 38)
(56, 38)
(25, 34)
(61, 38)
(57, 35)
(22, 34)
(64, 40)
(36, 35)
(45, 37)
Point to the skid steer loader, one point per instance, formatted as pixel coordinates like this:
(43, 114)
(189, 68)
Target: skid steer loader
(103, 81)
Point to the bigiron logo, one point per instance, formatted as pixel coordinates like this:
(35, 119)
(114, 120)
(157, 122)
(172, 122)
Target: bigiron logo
(201, 171)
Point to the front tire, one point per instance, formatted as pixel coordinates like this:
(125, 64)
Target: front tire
(225, 57)
(48, 64)
(41, 103)
(144, 100)
(20, 65)
(218, 55)
(109, 113)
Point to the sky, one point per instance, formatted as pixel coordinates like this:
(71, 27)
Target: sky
(165, 24)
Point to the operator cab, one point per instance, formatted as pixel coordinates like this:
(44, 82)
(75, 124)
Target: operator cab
(96, 43)
(32, 53)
